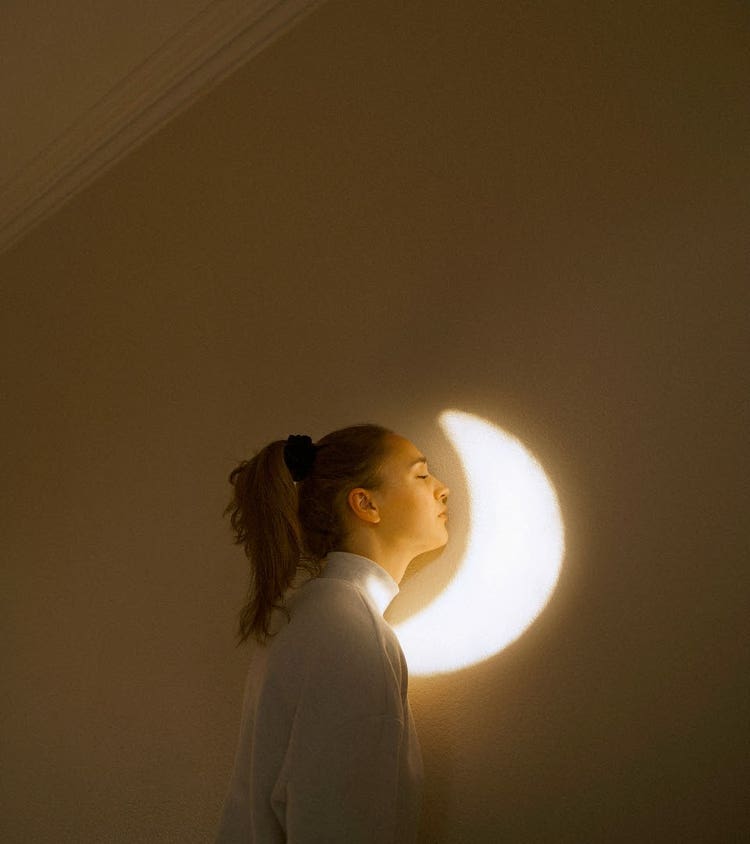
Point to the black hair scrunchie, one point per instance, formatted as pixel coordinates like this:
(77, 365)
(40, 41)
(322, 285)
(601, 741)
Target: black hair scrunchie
(299, 454)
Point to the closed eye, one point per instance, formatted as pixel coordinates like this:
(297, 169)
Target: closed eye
(423, 476)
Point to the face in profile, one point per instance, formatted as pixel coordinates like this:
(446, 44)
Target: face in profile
(412, 501)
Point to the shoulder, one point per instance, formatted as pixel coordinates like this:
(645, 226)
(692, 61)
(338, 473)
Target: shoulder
(342, 647)
(326, 612)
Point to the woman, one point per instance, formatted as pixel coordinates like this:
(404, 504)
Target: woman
(327, 749)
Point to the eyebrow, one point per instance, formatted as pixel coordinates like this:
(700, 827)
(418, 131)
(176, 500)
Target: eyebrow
(420, 459)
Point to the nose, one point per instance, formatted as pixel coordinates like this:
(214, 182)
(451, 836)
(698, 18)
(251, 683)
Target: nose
(444, 492)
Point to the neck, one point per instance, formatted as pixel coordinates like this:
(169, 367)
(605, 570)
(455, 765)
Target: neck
(395, 562)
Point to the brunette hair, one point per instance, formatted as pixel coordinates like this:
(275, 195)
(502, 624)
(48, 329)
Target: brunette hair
(284, 525)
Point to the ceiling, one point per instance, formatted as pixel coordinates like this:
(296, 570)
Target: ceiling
(82, 83)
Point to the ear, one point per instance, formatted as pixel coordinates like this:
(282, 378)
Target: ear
(362, 505)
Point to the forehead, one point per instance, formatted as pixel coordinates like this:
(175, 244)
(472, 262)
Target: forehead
(402, 453)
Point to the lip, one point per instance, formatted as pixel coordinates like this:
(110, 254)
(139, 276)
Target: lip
(444, 513)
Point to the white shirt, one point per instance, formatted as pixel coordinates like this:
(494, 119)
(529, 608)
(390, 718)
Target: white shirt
(328, 751)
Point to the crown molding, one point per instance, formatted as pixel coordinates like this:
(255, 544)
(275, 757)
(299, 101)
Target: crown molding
(208, 48)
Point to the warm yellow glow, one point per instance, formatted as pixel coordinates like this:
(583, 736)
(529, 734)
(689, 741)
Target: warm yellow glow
(512, 559)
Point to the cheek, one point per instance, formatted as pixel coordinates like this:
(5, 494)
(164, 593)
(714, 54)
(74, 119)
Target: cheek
(406, 509)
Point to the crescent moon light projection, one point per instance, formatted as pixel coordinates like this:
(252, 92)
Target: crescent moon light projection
(512, 560)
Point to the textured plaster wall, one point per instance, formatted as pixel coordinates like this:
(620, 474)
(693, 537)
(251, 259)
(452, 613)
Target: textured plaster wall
(535, 212)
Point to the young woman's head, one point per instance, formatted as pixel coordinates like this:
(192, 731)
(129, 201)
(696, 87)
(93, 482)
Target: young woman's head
(362, 489)
(404, 516)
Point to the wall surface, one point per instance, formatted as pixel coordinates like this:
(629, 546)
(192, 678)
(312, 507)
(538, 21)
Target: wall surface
(534, 212)
(62, 59)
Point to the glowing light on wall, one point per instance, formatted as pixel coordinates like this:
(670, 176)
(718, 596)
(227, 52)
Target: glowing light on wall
(512, 559)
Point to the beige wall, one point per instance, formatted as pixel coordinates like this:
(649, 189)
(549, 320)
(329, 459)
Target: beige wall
(532, 213)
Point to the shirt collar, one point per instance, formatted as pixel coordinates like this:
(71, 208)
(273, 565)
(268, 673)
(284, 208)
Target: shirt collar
(365, 574)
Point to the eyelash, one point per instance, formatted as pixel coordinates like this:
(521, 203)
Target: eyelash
(423, 476)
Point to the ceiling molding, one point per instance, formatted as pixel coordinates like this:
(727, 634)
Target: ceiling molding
(207, 49)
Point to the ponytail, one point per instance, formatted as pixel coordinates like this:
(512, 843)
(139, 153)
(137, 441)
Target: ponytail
(284, 526)
(263, 514)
